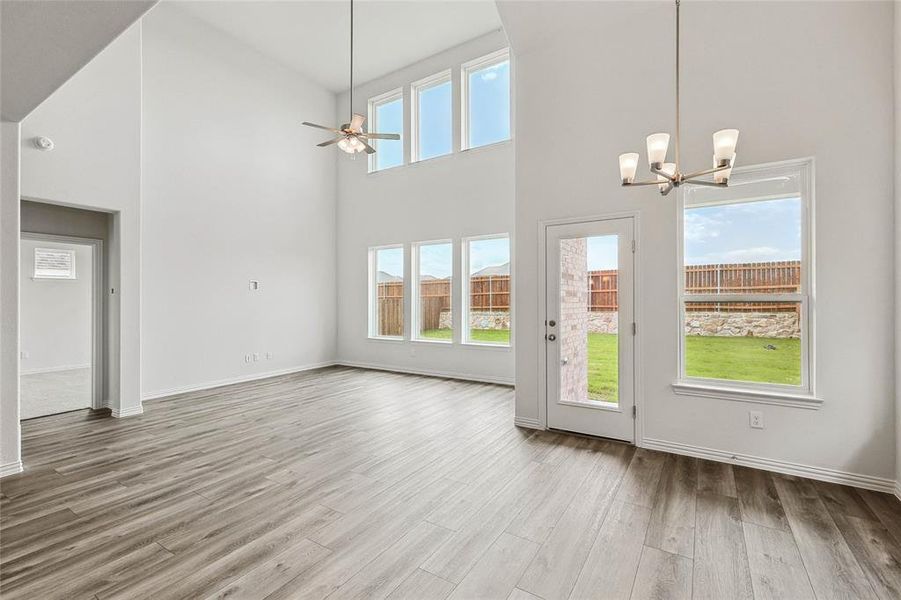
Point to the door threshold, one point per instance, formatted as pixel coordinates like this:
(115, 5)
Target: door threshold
(591, 437)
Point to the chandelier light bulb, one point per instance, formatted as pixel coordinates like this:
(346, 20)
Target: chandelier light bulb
(724, 142)
(723, 176)
(344, 145)
(658, 143)
(628, 164)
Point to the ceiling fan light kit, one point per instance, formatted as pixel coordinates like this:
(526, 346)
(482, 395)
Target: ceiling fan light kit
(670, 175)
(350, 136)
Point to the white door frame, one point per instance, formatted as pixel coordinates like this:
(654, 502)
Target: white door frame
(96, 306)
(542, 314)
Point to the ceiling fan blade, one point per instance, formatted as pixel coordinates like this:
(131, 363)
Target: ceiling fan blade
(356, 122)
(369, 149)
(319, 126)
(381, 136)
(329, 142)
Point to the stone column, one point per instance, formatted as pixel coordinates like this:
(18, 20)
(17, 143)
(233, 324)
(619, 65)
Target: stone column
(573, 325)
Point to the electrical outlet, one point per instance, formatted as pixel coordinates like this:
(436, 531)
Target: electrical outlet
(256, 356)
(756, 419)
(24, 354)
(253, 285)
(247, 358)
(269, 356)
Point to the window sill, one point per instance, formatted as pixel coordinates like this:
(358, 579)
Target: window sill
(433, 342)
(385, 338)
(778, 398)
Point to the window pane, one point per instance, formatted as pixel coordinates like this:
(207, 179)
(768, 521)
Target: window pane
(435, 121)
(489, 291)
(390, 282)
(744, 248)
(489, 105)
(435, 274)
(744, 341)
(389, 118)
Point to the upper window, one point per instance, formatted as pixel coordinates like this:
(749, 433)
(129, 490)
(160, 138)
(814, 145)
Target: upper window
(386, 115)
(54, 263)
(386, 295)
(433, 318)
(486, 290)
(432, 117)
(486, 100)
(746, 280)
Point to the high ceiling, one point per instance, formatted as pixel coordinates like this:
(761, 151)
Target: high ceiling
(312, 37)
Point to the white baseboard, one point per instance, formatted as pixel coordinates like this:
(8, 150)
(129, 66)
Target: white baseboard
(428, 372)
(898, 490)
(11, 468)
(131, 411)
(527, 423)
(54, 369)
(879, 484)
(232, 380)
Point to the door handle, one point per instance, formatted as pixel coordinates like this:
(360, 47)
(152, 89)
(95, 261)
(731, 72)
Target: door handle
(551, 337)
(564, 361)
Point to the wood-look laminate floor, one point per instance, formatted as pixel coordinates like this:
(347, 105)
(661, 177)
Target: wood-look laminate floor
(346, 483)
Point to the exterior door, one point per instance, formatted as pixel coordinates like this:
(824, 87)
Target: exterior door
(589, 328)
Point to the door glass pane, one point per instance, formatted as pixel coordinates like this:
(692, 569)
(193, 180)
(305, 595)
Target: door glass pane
(744, 341)
(589, 315)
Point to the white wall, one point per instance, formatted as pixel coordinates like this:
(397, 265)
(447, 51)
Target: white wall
(798, 79)
(10, 433)
(463, 194)
(94, 119)
(55, 315)
(234, 190)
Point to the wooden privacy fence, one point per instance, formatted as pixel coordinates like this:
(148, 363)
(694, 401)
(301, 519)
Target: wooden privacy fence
(492, 293)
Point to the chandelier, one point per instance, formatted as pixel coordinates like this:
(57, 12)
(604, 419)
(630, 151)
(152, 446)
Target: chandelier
(669, 174)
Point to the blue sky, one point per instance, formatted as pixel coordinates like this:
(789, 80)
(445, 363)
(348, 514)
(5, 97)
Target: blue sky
(489, 117)
(489, 105)
(391, 261)
(602, 253)
(435, 117)
(488, 253)
(764, 231)
(436, 260)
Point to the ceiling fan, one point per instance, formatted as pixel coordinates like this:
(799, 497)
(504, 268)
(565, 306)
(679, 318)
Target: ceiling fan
(350, 137)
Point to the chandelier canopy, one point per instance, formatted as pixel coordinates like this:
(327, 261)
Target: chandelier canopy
(669, 174)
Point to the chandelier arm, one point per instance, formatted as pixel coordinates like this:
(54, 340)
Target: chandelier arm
(669, 176)
(642, 183)
(706, 172)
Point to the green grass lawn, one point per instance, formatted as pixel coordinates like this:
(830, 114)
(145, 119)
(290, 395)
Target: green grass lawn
(730, 358)
(494, 336)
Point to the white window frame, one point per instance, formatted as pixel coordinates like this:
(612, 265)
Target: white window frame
(374, 103)
(416, 334)
(768, 393)
(489, 60)
(416, 88)
(372, 300)
(465, 291)
(70, 276)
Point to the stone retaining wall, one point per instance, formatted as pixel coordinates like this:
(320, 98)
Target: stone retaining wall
(752, 324)
(479, 320)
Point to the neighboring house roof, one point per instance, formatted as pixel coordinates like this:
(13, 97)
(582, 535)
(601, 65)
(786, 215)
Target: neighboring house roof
(503, 269)
(388, 277)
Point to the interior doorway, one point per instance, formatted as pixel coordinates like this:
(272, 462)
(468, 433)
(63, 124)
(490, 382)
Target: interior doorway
(60, 320)
(590, 328)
